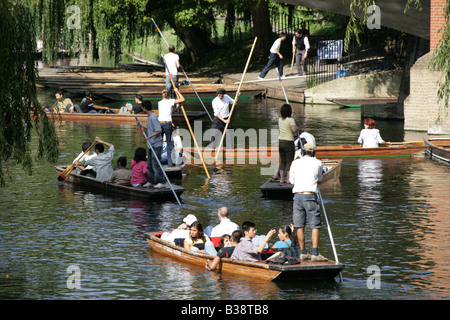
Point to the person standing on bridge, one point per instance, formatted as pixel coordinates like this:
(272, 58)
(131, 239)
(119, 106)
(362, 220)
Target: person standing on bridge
(275, 57)
(300, 47)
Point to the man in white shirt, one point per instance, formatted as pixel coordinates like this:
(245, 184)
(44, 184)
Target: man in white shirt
(221, 107)
(275, 57)
(226, 226)
(305, 174)
(300, 47)
(172, 61)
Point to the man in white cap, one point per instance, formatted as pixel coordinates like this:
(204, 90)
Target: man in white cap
(305, 174)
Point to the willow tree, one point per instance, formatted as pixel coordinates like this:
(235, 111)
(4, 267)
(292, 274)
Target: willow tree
(18, 97)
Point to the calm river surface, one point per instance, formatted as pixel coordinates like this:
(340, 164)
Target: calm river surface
(391, 214)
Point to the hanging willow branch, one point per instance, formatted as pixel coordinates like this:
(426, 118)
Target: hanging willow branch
(18, 94)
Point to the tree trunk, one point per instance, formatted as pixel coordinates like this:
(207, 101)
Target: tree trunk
(196, 40)
(262, 30)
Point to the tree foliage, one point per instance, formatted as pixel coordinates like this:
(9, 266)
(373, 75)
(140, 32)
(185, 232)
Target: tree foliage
(18, 94)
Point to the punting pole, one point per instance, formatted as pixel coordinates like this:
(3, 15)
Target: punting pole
(236, 98)
(293, 57)
(190, 128)
(282, 87)
(187, 78)
(329, 230)
(157, 159)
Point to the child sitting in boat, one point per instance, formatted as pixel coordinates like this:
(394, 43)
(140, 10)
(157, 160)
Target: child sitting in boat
(121, 175)
(245, 249)
(197, 238)
(226, 251)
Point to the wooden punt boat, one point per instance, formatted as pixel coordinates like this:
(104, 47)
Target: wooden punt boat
(439, 148)
(261, 270)
(358, 102)
(153, 194)
(395, 149)
(273, 190)
(264, 155)
(177, 118)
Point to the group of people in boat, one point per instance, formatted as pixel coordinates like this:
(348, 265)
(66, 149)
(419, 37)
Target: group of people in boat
(228, 240)
(97, 164)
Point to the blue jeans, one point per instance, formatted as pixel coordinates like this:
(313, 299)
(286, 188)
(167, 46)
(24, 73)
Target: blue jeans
(273, 59)
(167, 130)
(155, 174)
(169, 84)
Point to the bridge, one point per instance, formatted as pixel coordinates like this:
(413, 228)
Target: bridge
(414, 21)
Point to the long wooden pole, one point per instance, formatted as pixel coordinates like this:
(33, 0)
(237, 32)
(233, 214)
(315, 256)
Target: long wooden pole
(157, 159)
(187, 78)
(292, 63)
(236, 98)
(190, 129)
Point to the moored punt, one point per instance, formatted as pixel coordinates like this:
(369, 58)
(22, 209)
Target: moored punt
(153, 194)
(261, 270)
(177, 118)
(439, 148)
(272, 189)
(264, 155)
(358, 102)
(395, 149)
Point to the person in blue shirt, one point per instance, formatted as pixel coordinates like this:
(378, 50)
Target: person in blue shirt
(285, 236)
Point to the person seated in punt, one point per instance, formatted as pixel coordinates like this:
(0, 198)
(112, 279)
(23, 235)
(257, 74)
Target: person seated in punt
(182, 232)
(226, 251)
(102, 162)
(369, 137)
(88, 171)
(133, 109)
(285, 235)
(87, 105)
(65, 104)
(226, 226)
(122, 175)
(139, 167)
(197, 238)
(245, 249)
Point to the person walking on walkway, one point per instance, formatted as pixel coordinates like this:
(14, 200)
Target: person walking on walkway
(275, 57)
(300, 47)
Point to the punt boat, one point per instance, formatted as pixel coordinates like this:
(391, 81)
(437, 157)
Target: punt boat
(356, 103)
(394, 149)
(153, 194)
(263, 155)
(273, 190)
(177, 118)
(439, 147)
(262, 270)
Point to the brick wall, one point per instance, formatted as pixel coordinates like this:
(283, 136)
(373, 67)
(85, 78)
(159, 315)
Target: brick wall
(421, 108)
(437, 21)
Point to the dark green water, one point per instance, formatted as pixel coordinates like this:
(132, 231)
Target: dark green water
(388, 213)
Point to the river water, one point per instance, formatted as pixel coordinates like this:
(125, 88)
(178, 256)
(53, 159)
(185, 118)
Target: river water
(389, 215)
